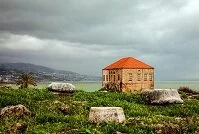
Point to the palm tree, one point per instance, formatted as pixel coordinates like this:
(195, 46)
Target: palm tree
(26, 79)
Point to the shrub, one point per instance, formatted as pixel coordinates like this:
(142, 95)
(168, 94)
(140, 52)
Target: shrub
(113, 87)
(187, 90)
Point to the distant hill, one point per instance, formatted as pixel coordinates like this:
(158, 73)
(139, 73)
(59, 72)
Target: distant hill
(42, 73)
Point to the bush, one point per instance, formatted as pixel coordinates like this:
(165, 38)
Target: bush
(187, 90)
(112, 87)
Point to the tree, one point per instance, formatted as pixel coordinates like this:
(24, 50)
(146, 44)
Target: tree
(26, 79)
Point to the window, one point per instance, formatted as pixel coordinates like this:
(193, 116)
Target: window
(118, 77)
(109, 78)
(103, 77)
(106, 77)
(113, 77)
(139, 77)
(145, 77)
(150, 77)
(139, 71)
(130, 77)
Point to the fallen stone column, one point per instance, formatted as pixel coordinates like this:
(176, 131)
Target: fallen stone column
(106, 114)
(61, 87)
(162, 96)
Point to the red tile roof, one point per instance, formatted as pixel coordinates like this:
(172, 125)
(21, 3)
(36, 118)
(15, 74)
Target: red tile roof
(127, 63)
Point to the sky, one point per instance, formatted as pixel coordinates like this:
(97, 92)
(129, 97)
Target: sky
(85, 36)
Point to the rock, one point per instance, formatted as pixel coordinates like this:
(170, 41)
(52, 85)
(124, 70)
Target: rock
(64, 110)
(117, 132)
(62, 107)
(62, 87)
(17, 128)
(5, 87)
(106, 114)
(104, 91)
(168, 129)
(135, 121)
(162, 96)
(18, 110)
(68, 131)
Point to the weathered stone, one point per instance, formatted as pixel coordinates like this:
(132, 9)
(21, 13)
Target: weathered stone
(62, 87)
(135, 121)
(62, 107)
(18, 110)
(17, 128)
(106, 114)
(104, 91)
(162, 96)
(168, 129)
(68, 131)
(117, 132)
(5, 87)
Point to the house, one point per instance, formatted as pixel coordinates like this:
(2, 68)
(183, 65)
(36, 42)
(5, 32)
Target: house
(129, 74)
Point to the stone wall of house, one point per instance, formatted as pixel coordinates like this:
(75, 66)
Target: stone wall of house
(137, 79)
(133, 79)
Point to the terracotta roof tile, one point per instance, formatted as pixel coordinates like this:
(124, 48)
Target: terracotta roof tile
(128, 62)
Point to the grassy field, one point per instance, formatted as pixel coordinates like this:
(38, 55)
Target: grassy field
(141, 117)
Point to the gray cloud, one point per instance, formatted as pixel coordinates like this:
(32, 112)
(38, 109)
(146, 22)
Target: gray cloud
(84, 36)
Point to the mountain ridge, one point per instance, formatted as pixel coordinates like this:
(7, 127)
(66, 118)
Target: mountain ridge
(44, 73)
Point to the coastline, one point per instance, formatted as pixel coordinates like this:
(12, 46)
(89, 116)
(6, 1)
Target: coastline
(91, 86)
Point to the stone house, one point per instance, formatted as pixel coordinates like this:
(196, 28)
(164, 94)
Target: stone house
(129, 74)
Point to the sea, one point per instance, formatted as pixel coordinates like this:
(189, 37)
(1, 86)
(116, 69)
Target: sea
(91, 86)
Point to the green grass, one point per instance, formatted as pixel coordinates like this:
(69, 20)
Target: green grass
(141, 117)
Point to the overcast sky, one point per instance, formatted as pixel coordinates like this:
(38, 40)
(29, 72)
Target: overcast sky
(85, 36)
